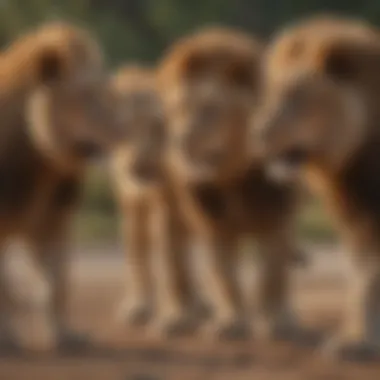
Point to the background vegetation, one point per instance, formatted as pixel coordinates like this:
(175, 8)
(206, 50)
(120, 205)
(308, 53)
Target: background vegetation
(139, 30)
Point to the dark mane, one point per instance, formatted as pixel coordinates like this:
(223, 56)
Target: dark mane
(360, 182)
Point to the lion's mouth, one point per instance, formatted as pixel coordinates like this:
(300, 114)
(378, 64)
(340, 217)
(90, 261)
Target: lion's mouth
(287, 165)
(294, 157)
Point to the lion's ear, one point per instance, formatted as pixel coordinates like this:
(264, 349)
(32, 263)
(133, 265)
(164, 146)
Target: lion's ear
(50, 66)
(349, 62)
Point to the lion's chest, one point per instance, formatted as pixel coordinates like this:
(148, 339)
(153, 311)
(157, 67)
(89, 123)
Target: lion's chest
(358, 189)
(247, 205)
(20, 170)
(29, 186)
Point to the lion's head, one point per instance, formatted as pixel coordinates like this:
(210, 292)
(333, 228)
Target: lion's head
(140, 110)
(208, 82)
(320, 95)
(70, 104)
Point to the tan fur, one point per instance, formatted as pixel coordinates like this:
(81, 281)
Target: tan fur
(154, 239)
(56, 103)
(209, 83)
(329, 135)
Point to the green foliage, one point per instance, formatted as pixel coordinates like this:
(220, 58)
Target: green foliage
(98, 194)
(97, 219)
(314, 224)
(141, 29)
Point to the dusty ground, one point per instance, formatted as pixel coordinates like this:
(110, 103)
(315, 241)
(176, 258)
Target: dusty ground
(127, 355)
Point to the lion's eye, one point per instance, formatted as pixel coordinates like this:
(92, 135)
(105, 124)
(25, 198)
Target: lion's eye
(242, 76)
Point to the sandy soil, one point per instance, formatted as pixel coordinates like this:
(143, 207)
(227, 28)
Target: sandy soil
(118, 354)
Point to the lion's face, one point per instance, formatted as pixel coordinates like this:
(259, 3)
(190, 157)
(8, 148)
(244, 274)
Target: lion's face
(140, 110)
(84, 117)
(207, 123)
(72, 109)
(143, 153)
(209, 83)
(317, 99)
(311, 120)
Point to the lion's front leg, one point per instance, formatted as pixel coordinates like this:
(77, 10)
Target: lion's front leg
(50, 252)
(174, 286)
(221, 284)
(276, 318)
(137, 305)
(359, 335)
(9, 341)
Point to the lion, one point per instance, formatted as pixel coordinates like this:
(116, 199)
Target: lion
(58, 113)
(158, 288)
(209, 82)
(319, 123)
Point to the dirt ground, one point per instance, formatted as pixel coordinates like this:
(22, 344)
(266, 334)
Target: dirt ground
(97, 285)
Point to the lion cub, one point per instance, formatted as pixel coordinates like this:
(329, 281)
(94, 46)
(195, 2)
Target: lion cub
(209, 83)
(155, 240)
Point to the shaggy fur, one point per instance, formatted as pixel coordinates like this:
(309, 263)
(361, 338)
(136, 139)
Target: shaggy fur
(209, 82)
(56, 111)
(321, 123)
